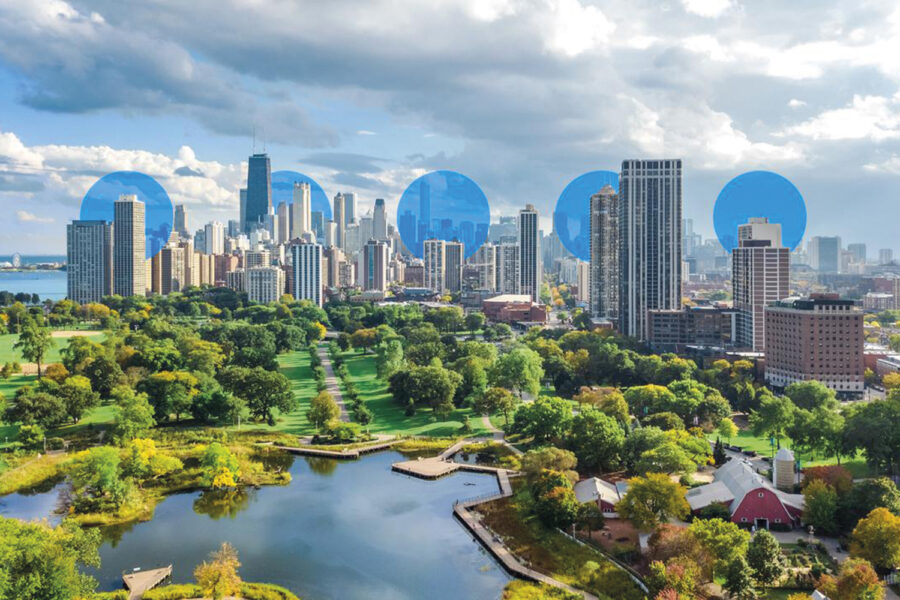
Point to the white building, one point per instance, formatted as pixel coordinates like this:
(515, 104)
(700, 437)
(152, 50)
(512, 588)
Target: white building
(306, 263)
(264, 284)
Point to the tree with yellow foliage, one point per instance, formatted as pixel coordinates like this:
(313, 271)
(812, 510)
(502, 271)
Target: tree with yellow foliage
(219, 577)
(221, 469)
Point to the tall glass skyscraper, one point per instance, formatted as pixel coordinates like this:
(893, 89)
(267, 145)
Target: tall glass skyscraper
(529, 253)
(129, 260)
(259, 191)
(89, 260)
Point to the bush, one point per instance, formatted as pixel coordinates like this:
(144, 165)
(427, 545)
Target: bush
(265, 591)
(174, 592)
(116, 595)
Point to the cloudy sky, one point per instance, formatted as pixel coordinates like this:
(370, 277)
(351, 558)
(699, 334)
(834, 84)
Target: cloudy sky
(520, 95)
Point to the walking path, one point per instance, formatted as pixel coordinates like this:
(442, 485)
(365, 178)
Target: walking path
(382, 442)
(331, 383)
(140, 582)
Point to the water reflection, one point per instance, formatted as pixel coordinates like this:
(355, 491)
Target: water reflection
(223, 503)
(321, 466)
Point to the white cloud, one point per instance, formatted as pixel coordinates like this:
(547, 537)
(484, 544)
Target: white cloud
(890, 166)
(875, 118)
(706, 8)
(365, 132)
(26, 217)
(575, 28)
(795, 103)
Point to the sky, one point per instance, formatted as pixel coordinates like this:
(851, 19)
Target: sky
(522, 96)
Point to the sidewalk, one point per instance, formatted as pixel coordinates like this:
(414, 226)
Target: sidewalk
(332, 386)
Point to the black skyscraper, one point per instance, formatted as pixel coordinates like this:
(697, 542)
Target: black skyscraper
(259, 191)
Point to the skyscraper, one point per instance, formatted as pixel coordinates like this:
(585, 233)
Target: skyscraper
(454, 252)
(825, 253)
(301, 207)
(307, 272)
(529, 253)
(760, 276)
(129, 260)
(173, 269)
(181, 221)
(379, 221)
(317, 222)
(858, 252)
(485, 262)
(340, 222)
(334, 258)
(264, 284)
(604, 245)
(885, 256)
(284, 223)
(259, 191)
(243, 214)
(434, 254)
(650, 203)
(507, 264)
(89, 257)
(215, 238)
(374, 271)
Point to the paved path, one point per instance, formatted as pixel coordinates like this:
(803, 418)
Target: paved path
(486, 421)
(331, 383)
(140, 582)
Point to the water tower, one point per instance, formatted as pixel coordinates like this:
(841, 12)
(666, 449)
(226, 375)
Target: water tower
(783, 470)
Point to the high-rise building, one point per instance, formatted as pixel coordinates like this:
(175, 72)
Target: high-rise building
(257, 258)
(284, 223)
(604, 244)
(307, 272)
(181, 221)
(317, 222)
(129, 260)
(485, 262)
(173, 270)
(243, 214)
(264, 284)
(374, 266)
(434, 255)
(89, 255)
(584, 282)
(825, 253)
(301, 209)
(379, 220)
(817, 338)
(334, 257)
(885, 256)
(507, 264)
(340, 220)
(650, 204)
(215, 238)
(454, 252)
(350, 214)
(529, 253)
(259, 191)
(858, 252)
(331, 234)
(760, 277)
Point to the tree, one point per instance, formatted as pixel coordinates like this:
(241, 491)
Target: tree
(722, 539)
(33, 407)
(608, 400)
(388, 358)
(96, 478)
(810, 395)
(56, 372)
(727, 429)
(34, 342)
(873, 429)
(474, 321)
(322, 408)
(664, 420)
(864, 497)
(218, 577)
(645, 399)
(765, 558)
(432, 386)
(518, 370)
(820, 504)
(544, 419)
(773, 417)
(596, 438)
(640, 441)
(77, 396)
(676, 578)
(40, 562)
(589, 517)
(144, 461)
(220, 467)
(652, 500)
(537, 460)
(665, 458)
(363, 339)
(134, 415)
(856, 580)
(263, 391)
(739, 579)
(876, 538)
(496, 400)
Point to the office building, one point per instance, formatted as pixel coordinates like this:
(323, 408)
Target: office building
(530, 275)
(264, 284)
(604, 247)
(283, 215)
(857, 252)
(507, 265)
(243, 211)
(825, 254)
(454, 253)
(306, 266)
(259, 191)
(484, 261)
(350, 214)
(760, 276)
(317, 222)
(817, 338)
(340, 221)
(89, 255)
(435, 258)
(379, 221)
(885, 256)
(257, 258)
(695, 326)
(222, 264)
(129, 260)
(215, 238)
(374, 266)
(650, 204)
(301, 210)
(173, 270)
(334, 257)
(180, 224)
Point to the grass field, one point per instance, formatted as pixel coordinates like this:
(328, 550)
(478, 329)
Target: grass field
(389, 417)
(10, 354)
(745, 439)
(295, 366)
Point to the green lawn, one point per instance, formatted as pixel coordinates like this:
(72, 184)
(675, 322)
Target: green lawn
(10, 354)
(391, 418)
(745, 438)
(295, 366)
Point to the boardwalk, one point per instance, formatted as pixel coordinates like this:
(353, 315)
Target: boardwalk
(140, 582)
(343, 454)
(331, 383)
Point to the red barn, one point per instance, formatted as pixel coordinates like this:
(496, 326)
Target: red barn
(751, 498)
(604, 493)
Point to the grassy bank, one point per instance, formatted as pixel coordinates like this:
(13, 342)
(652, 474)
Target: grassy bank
(60, 338)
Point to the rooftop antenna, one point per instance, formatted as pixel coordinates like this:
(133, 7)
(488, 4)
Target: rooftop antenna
(253, 149)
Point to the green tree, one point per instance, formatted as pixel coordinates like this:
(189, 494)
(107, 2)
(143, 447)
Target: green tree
(474, 321)
(363, 339)
(724, 540)
(96, 478)
(170, 393)
(774, 416)
(34, 342)
(810, 395)
(537, 460)
(873, 429)
(864, 497)
(596, 439)
(39, 562)
(518, 370)
(665, 458)
(34, 407)
(496, 400)
(322, 408)
(134, 414)
(544, 419)
(739, 579)
(727, 429)
(589, 517)
(77, 396)
(221, 469)
(645, 399)
(652, 500)
(820, 507)
(388, 358)
(263, 391)
(765, 558)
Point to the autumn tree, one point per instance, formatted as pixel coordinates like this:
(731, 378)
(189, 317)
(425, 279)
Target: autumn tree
(876, 539)
(855, 580)
(652, 500)
(218, 577)
(322, 408)
(220, 467)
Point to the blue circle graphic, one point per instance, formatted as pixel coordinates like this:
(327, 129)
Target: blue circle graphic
(99, 205)
(283, 191)
(445, 205)
(759, 194)
(572, 215)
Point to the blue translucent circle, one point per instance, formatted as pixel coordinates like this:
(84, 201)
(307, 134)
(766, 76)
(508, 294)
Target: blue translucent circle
(445, 205)
(99, 205)
(759, 194)
(572, 215)
(283, 191)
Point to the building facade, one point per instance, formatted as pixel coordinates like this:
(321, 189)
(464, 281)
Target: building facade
(89, 255)
(435, 259)
(306, 265)
(264, 284)
(374, 267)
(454, 252)
(129, 260)
(529, 253)
(259, 191)
(604, 247)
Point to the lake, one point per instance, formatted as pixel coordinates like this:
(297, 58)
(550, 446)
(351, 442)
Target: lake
(46, 284)
(341, 530)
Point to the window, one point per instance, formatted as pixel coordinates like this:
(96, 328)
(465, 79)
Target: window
(778, 520)
(760, 494)
(743, 519)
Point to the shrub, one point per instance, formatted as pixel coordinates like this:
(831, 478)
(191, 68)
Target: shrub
(174, 592)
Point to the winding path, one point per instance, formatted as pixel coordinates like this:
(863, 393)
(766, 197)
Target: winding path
(331, 383)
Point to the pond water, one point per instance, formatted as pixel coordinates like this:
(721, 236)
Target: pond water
(348, 530)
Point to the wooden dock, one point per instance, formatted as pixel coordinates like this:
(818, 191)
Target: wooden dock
(345, 454)
(139, 583)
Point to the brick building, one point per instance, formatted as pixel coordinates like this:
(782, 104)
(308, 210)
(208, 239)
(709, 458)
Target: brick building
(513, 308)
(674, 330)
